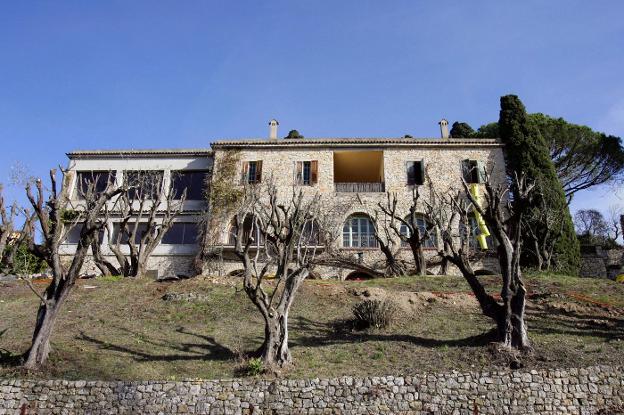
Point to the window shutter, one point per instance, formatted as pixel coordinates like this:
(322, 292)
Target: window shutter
(421, 170)
(298, 172)
(314, 171)
(480, 172)
(410, 168)
(244, 178)
(258, 171)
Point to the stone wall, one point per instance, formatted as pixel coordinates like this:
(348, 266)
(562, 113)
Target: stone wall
(554, 391)
(597, 262)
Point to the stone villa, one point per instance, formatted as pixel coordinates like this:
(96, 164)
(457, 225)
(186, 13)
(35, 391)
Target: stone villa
(363, 169)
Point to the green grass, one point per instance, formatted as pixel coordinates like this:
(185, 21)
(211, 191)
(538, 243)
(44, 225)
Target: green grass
(122, 329)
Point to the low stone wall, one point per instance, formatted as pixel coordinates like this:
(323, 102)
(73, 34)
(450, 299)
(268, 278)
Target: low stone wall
(569, 391)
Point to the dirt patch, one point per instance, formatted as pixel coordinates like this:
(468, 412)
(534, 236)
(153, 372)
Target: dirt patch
(416, 301)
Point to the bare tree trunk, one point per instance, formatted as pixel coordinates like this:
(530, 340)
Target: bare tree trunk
(47, 314)
(274, 351)
(420, 264)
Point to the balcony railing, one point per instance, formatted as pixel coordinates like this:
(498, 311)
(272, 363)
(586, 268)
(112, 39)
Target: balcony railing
(378, 187)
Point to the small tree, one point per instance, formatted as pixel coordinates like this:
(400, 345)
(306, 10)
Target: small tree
(451, 214)
(54, 217)
(146, 213)
(284, 238)
(461, 130)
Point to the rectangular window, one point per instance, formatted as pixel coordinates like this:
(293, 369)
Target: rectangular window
(191, 181)
(306, 172)
(181, 233)
(93, 181)
(73, 236)
(124, 237)
(473, 171)
(415, 172)
(143, 184)
(252, 172)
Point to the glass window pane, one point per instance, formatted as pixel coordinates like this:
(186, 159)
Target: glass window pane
(175, 235)
(193, 182)
(143, 184)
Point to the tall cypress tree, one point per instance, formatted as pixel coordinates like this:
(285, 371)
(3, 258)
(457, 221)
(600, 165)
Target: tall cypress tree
(526, 153)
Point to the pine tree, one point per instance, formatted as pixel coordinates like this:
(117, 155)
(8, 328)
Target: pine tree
(526, 153)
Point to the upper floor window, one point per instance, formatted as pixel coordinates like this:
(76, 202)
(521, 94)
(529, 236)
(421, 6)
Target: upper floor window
(181, 233)
(473, 171)
(93, 181)
(143, 184)
(191, 181)
(252, 172)
(306, 172)
(358, 232)
(415, 172)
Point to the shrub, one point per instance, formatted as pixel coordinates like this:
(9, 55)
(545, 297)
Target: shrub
(375, 313)
(255, 366)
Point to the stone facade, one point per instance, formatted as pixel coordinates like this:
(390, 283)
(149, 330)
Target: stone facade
(552, 391)
(442, 160)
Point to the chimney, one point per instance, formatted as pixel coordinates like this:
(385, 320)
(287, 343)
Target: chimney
(444, 132)
(273, 129)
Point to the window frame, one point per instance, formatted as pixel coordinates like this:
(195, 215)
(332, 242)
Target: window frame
(185, 225)
(418, 166)
(79, 194)
(176, 173)
(155, 193)
(355, 238)
(431, 242)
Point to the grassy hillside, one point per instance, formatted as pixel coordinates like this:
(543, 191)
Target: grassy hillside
(123, 329)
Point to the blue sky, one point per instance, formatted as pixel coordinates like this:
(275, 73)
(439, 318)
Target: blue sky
(147, 74)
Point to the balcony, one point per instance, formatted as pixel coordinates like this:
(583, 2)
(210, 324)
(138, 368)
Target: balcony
(359, 171)
(355, 187)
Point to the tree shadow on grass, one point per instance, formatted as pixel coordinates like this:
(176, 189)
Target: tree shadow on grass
(547, 320)
(205, 349)
(341, 332)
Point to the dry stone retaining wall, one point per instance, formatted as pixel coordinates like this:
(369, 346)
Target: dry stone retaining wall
(569, 391)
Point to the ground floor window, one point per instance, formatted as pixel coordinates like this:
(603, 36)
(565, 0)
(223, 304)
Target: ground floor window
(423, 225)
(358, 232)
(181, 233)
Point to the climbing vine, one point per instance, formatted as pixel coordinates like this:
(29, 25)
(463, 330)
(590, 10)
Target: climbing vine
(223, 194)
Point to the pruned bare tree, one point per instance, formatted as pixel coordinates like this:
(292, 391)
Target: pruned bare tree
(144, 214)
(412, 235)
(389, 245)
(53, 217)
(504, 218)
(280, 236)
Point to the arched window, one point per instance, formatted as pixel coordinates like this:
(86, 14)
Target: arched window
(250, 229)
(423, 224)
(358, 232)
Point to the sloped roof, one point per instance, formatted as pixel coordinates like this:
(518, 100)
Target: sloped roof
(359, 142)
(172, 152)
